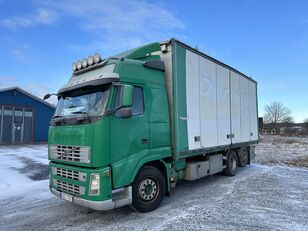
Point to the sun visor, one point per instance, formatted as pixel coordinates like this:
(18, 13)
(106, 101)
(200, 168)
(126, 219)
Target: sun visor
(81, 81)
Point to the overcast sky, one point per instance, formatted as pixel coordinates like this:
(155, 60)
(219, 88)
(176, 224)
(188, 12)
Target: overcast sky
(265, 39)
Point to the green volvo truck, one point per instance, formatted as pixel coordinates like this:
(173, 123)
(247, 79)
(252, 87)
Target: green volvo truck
(129, 127)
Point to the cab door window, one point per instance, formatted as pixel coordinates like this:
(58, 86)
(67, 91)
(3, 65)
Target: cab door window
(138, 101)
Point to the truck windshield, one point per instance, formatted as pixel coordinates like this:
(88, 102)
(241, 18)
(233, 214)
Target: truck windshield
(91, 103)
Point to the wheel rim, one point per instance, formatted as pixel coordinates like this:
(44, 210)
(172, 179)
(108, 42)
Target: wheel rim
(148, 189)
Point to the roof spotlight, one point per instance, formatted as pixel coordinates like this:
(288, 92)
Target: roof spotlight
(79, 65)
(97, 58)
(74, 67)
(84, 63)
(90, 60)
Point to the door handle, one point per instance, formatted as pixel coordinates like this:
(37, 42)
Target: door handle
(144, 141)
(229, 136)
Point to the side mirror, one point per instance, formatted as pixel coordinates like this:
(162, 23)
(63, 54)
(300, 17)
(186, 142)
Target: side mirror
(124, 112)
(127, 96)
(47, 96)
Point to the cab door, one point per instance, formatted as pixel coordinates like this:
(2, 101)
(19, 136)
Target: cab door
(129, 137)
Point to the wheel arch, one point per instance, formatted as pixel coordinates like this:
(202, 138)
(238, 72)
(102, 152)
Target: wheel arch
(159, 164)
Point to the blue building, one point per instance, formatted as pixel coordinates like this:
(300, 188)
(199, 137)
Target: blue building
(24, 118)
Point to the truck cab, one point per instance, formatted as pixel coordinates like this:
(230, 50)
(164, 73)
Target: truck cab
(111, 118)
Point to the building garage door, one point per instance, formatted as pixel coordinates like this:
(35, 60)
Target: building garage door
(16, 124)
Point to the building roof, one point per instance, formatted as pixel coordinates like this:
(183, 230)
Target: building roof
(28, 94)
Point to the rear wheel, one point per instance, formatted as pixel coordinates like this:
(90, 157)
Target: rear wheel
(243, 157)
(231, 163)
(149, 189)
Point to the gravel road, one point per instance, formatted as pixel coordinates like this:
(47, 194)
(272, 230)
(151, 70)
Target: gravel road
(258, 198)
(271, 196)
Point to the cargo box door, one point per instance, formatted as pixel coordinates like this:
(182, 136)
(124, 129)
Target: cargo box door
(208, 103)
(193, 100)
(235, 108)
(245, 121)
(223, 106)
(253, 111)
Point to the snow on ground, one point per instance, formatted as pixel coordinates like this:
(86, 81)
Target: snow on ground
(273, 150)
(271, 196)
(23, 168)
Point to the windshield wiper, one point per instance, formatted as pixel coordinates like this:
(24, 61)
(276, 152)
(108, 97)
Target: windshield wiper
(86, 115)
(57, 118)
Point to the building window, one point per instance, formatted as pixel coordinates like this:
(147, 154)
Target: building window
(7, 125)
(28, 125)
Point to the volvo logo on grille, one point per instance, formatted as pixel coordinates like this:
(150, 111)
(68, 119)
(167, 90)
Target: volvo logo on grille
(70, 153)
(67, 152)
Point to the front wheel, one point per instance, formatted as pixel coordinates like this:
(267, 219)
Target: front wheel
(149, 189)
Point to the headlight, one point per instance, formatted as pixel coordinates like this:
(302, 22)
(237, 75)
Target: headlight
(94, 184)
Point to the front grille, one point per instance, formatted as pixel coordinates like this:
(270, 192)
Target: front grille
(69, 188)
(77, 154)
(70, 174)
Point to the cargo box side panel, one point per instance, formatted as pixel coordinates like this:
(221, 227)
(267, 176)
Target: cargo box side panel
(179, 99)
(192, 100)
(253, 114)
(223, 106)
(213, 104)
(208, 105)
(235, 108)
(245, 118)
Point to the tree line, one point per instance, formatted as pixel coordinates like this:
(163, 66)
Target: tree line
(276, 112)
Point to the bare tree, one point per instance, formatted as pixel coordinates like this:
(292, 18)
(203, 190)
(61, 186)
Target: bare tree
(289, 119)
(276, 112)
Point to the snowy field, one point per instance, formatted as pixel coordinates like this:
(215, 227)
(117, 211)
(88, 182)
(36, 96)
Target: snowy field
(270, 194)
(279, 150)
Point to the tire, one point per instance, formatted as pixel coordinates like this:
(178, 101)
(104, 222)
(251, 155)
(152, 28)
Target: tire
(243, 157)
(231, 164)
(149, 189)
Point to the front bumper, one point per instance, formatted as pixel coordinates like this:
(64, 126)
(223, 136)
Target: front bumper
(121, 197)
(96, 205)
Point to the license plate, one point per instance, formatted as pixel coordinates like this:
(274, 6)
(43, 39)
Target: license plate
(67, 197)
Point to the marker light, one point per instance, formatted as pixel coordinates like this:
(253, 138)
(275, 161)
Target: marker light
(97, 58)
(74, 67)
(90, 60)
(84, 63)
(79, 65)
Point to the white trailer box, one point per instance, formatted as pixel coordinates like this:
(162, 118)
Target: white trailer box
(212, 105)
